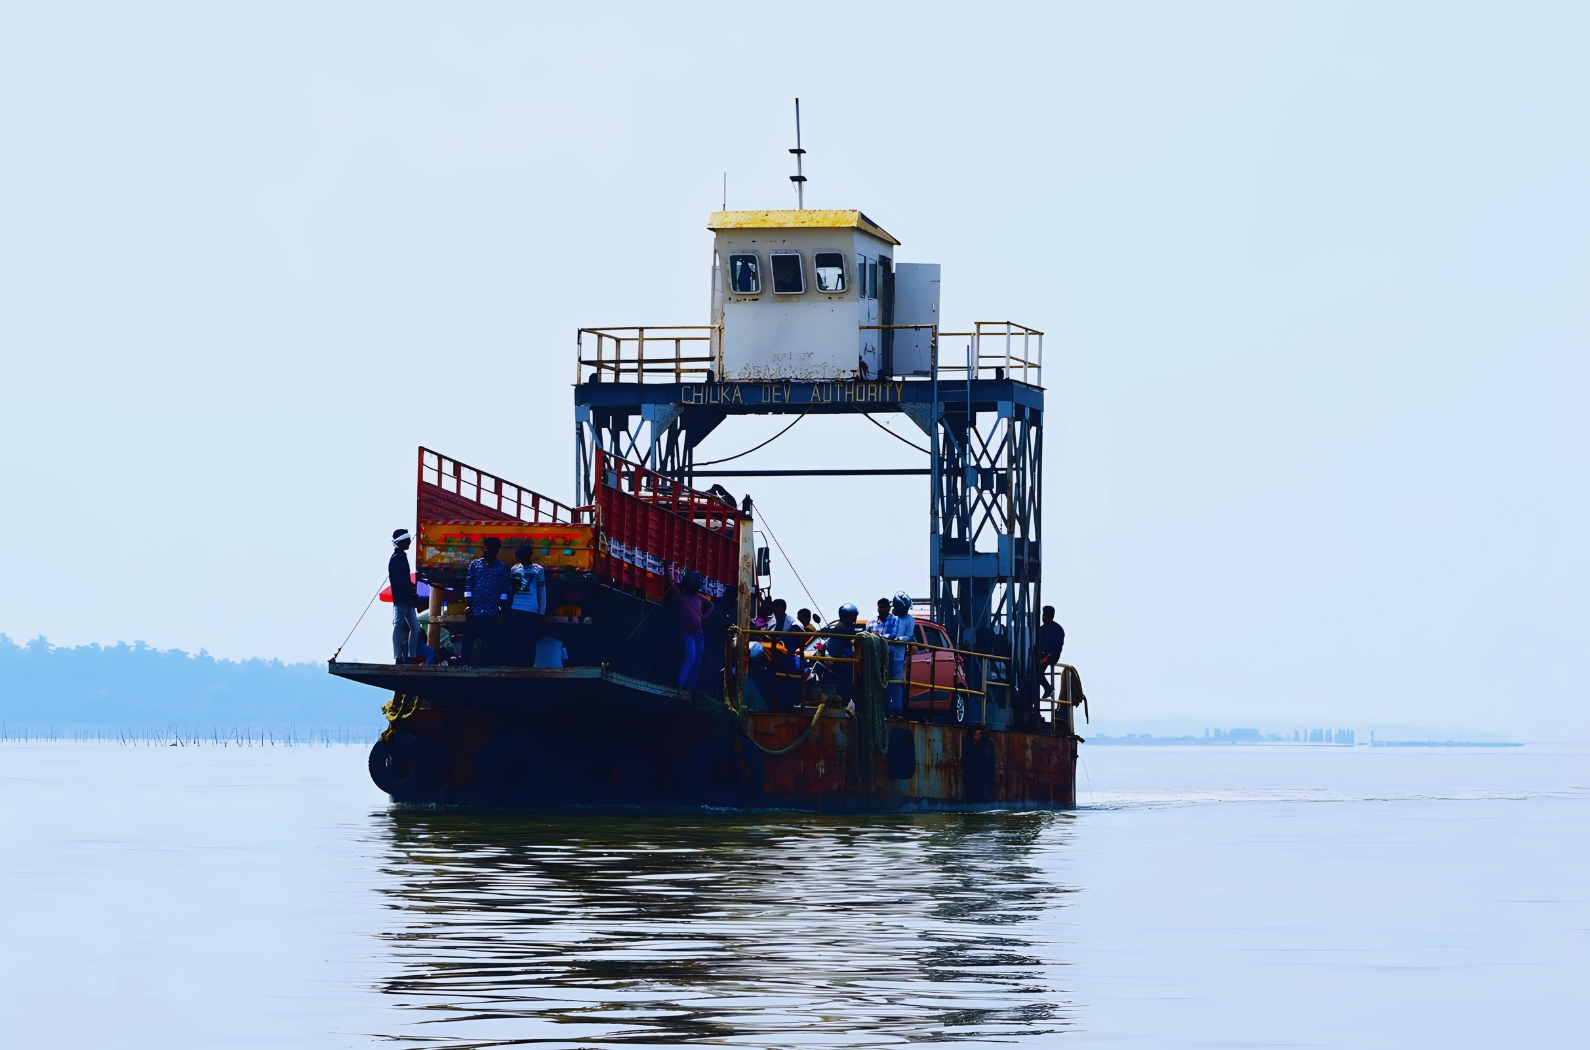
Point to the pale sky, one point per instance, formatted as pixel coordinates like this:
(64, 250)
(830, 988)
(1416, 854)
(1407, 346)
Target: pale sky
(1314, 278)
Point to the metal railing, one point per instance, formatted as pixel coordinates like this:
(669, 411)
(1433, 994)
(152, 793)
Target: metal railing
(504, 498)
(809, 662)
(998, 348)
(681, 353)
(669, 493)
(631, 355)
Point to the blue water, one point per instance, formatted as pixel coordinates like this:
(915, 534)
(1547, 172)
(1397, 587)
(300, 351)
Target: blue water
(1211, 897)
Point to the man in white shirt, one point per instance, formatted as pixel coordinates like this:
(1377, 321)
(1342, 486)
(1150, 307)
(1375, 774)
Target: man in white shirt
(524, 615)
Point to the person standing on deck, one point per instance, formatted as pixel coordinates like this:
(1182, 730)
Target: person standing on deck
(844, 647)
(488, 587)
(880, 624)
(1051, 639)
(690, 609)
(524, 617)
(902, 629)
(406, 636)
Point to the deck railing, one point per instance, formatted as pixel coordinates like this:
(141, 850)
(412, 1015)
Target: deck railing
(506, 500)
(670, 353)
(995, 349)
(692, 353)
(941, 697)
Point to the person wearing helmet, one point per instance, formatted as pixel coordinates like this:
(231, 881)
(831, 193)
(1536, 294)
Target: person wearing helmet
(902, 629)
(839, 645)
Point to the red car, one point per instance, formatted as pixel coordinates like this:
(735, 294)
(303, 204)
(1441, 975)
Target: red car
(935, 678)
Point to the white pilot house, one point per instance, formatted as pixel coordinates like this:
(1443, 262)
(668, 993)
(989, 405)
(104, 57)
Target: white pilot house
(817, 294)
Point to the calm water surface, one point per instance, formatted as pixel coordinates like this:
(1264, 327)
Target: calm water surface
(1235, 896)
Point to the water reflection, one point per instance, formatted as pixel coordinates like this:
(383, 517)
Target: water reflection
(763, 931)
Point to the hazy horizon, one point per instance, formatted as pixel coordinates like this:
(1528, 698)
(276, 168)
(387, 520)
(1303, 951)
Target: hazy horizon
(1314, 283)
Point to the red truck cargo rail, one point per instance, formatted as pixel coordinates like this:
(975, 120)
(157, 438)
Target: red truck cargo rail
(644, 529)
(653, 529)
(454, 491)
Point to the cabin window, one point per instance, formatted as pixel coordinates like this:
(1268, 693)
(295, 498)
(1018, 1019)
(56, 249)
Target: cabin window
(830, 267)
(867, 276)
(788, 276)
(745, 277)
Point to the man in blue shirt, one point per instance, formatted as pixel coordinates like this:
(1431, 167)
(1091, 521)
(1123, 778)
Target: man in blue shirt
(488, 588)
(880, 624)
(901, 628)
(840, 645)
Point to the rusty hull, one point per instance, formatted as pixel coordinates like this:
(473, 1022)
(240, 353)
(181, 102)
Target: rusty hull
(1030, 770)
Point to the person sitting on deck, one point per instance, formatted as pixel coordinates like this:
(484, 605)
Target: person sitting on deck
(690, 609)
(529, 588)
(444, 651)
(406, 636)
(787, 651)
(1051, 639)
(780, 620)
(551, 652)
(488, 587)
(805, 617)
(902, 629)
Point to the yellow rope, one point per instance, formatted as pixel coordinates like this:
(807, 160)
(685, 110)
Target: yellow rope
(396, 709)
(792, 744)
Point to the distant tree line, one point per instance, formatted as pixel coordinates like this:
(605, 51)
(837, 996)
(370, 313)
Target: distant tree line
(138, 685)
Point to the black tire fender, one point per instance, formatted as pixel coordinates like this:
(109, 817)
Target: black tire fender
(403, 763)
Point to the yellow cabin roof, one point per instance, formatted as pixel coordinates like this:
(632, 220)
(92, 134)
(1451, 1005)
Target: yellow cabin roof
(788, 220)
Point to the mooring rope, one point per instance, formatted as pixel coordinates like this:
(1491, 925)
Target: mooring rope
(793, 743)
(360, 620)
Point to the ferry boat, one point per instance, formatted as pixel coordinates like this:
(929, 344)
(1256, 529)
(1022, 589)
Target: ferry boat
(811, 314)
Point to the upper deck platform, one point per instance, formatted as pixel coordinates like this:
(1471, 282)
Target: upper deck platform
(998, 362)
(802, 396)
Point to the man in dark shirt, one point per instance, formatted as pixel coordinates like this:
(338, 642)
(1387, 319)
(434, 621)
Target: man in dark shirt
(841, 646)
(1051, 639)
(488, 588)
(690, 609)
(406, 636)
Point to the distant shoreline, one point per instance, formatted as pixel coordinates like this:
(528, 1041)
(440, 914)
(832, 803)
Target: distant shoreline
(1202, 741)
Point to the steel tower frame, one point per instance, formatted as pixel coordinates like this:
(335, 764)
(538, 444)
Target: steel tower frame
(985, 434)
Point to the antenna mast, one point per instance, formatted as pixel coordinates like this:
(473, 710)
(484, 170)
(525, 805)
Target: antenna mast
(798, 179)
